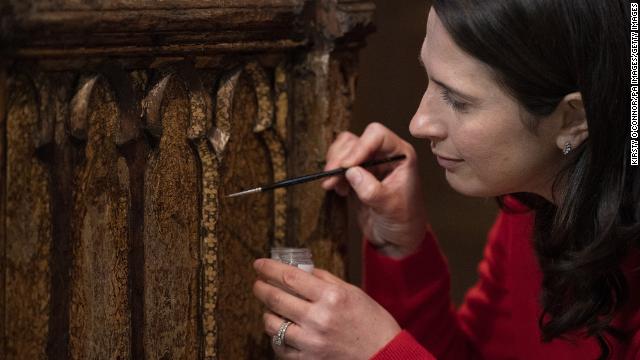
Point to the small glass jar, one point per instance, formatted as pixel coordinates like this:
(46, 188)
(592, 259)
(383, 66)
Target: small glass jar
(299, 257)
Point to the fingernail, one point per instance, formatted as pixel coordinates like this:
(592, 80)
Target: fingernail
(257, 263)
(354, 176)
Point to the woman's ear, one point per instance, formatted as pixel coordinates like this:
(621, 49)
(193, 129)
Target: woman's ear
(574, 129)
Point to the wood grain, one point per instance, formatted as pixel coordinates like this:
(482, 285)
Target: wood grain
(28, 228)
(99, 313)
(3, 191)
(245, 230)
(64, 153)
(171, 236)
(124, 124)
(267, 129)
(318, 219)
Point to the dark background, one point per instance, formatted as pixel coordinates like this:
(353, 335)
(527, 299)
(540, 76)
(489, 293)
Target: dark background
(390, 85)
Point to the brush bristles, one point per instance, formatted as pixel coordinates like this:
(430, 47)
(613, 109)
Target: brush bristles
(250, 191)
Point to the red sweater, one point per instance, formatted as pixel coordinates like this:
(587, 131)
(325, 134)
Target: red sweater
(499, 317)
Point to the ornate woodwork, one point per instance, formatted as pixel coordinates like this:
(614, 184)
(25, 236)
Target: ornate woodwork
(123, 123)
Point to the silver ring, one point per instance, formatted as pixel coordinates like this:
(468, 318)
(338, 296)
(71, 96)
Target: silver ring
(278, 338)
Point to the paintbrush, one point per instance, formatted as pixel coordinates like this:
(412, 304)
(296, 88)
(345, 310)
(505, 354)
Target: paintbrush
(316, 176)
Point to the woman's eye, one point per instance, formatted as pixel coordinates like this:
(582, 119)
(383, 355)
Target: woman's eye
(456, 105)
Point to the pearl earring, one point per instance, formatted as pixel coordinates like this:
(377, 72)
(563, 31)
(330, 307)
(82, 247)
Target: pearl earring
(567, 148)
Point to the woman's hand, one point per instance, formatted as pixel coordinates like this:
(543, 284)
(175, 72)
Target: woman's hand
(391, 211)
(331, 319)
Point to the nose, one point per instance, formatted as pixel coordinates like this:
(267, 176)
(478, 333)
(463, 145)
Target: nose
(426, 123)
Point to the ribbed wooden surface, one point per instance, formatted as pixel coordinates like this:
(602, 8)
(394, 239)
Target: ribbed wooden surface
(118, 240)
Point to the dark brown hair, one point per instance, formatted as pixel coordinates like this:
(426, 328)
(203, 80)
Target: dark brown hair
(540, 51)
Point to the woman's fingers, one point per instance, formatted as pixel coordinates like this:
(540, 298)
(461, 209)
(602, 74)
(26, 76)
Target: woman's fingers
(293, 337)
(349, 150)
(280, 301)
(366, 186)
(329, 327)
(290, 278)
(338, 151)
(376, 139)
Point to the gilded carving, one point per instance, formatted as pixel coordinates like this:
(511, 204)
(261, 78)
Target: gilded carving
(200, 106)
(245, 225)
(47, 110)
(317, 218)
(152, 105)
(309, 122)
(80, 108)
(4, 91)
(264, 126)
(28, 229)
(219, 134)
(171, 228)
(119, 242)
(200, 119)
(134, 147)
(209, 248)
(99, 316)
(263, 96)
(62, 156)
(128, 88)
(281, 88)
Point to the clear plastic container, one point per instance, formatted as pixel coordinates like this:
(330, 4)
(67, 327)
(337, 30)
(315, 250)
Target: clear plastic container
(299, 257)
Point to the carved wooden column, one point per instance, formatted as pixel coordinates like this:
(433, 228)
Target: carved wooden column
(123, 124)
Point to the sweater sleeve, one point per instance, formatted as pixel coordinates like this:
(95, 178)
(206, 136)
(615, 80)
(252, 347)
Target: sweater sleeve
(634, 348)
(415, 290)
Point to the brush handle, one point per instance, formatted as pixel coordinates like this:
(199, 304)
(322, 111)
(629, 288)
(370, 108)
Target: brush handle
(324, 174)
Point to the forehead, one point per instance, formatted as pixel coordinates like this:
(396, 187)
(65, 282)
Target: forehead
(437, 37)
(446, 61)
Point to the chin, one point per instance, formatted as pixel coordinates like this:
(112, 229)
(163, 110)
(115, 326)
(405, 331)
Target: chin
(470, 187)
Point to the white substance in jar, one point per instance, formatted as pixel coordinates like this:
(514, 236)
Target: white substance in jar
(298, 257)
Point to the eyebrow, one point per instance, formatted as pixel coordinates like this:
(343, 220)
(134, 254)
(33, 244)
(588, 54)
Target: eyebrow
(449, 88)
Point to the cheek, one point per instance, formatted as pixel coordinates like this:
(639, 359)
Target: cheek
(501, 155)
(479, 147)
(494, 161)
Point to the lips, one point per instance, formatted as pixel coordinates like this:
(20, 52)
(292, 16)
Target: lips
(447, 157)
(447, 162)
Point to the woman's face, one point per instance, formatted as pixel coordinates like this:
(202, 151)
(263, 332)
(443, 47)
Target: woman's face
(470, 119)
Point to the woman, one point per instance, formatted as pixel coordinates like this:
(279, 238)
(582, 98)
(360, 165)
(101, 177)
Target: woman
(527, 101)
